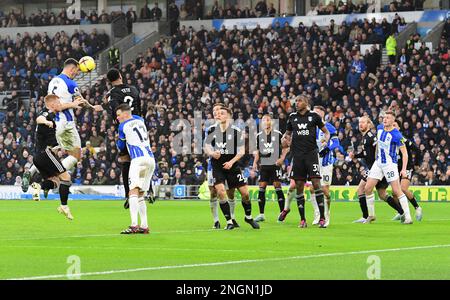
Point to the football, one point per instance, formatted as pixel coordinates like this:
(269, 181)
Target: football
(87, 64)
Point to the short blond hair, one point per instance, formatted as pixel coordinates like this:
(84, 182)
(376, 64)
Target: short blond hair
(50, 98)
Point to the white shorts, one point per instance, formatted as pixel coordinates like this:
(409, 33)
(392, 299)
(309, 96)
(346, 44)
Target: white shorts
(67, 135)
(141, 172)
(378, 171)
(327, 174)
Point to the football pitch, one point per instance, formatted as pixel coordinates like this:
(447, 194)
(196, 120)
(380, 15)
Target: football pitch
(38, 243)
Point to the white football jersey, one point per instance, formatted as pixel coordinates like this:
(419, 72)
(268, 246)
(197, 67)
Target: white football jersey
(134, 133)
(65, 88)
(388, 144)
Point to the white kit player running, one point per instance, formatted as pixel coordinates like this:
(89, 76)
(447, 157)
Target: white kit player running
(67, 135)
(133, 135)
(389, 139)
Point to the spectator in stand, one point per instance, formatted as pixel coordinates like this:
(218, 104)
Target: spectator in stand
(145, 12)
(156, 13)
(131, 17)
(261, 8)
(253, 75)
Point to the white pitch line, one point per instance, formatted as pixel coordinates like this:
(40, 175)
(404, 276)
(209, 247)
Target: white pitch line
(234, 262)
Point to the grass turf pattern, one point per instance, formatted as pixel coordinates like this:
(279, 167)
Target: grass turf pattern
(37, 242)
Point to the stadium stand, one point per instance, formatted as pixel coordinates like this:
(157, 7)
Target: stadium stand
(253, 72)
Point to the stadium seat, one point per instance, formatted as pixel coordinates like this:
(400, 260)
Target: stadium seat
(44, 76)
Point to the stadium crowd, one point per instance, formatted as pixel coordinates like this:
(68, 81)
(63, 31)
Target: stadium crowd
(351, 7)
(255, 72)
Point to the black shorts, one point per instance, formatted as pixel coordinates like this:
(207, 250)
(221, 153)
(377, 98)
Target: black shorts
(124, 152)
(48, 164)
(233, 177)
(409, 174)
(382, 184)
(306, 167)
(270, 174)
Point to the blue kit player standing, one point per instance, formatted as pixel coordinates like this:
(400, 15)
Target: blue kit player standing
(326, 162)
(133, 135)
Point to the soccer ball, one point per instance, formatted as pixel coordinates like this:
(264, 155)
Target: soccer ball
(87, 64)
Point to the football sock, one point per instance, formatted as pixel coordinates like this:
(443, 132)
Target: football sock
(214, 205)
(143, 212)
(363, 205)
(405, 205)
(390, 200)
(261, 199)
(371, 204)
(247, 205)
(280, 197)
(320, 202)
(64, 189)
(69, 162)
(125, 177)
(291, 197)
(225, 207)
(314, 204)
(48, 185)
(134, 208)
(232, 207)
(33, 170)
(301, 206)
(414, 202)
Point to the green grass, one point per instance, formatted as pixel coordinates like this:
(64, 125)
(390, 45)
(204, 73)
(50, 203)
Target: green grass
(36, 241)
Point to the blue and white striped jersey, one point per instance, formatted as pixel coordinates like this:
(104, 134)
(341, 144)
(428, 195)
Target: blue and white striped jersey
(133, 135)
(388, 143)
(65, 88)
(333, 143)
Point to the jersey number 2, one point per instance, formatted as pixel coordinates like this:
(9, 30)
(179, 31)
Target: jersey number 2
(129, 100)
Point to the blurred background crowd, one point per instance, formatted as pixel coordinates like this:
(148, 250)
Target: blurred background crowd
(254, 72)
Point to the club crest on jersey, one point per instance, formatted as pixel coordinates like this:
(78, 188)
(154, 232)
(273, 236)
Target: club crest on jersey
(309, 118)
